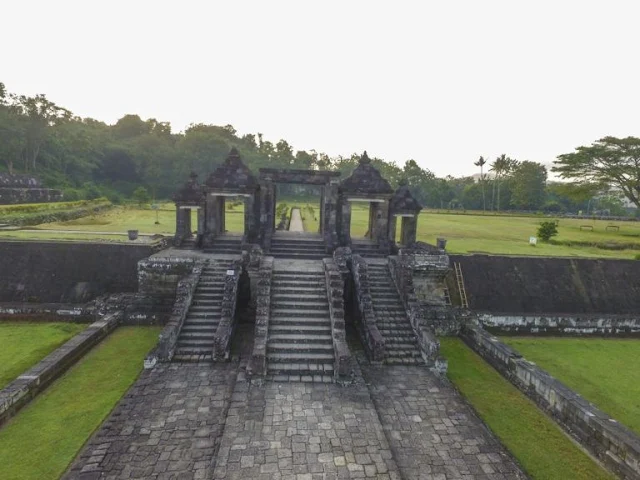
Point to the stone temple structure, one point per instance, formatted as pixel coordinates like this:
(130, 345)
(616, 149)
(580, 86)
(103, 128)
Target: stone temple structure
(233, 180)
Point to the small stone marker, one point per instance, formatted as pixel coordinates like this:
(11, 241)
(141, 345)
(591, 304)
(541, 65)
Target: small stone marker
(230, 272)
(533, 241)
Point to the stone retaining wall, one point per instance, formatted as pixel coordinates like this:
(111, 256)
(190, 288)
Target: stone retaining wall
(585, 324)
(258, 364)
(615, 445)
(47, 312)
(19, 392)
(67, 272)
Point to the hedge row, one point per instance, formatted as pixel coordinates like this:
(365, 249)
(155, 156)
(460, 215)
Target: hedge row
(55, 215)
(46, 207)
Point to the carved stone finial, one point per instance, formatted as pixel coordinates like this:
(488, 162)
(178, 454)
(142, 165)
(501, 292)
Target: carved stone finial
(403, 182)
(364, 159)
(234, 152)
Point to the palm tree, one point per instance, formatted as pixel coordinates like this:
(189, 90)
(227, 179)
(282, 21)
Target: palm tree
(480, 163)
(502, 166)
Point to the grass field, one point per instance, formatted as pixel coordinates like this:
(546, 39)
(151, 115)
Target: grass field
(601, 370)
(469, 233)
(542, 449)
(22, 345)
(42, 440)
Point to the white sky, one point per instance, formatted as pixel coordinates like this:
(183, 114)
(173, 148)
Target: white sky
(441, 82)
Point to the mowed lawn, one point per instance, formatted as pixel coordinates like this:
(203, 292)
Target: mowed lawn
(22, 345)
(541, 448)
(43, 439)
(604, 371)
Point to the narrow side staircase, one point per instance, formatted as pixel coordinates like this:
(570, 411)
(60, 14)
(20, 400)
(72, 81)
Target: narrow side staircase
(299, 342)
(298, 245)
(367, 249)
(195, 342)
(391, 318)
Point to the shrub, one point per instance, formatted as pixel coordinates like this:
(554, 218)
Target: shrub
(141, 196)
(546, 230)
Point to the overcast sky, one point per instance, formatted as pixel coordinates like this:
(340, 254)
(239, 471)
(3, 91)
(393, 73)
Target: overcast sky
(440, 82)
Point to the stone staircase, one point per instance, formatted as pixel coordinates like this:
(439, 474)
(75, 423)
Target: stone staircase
(299, 342)
(226, 244)
(391, 318)
(188, 243)
(306, 246)
(195, 342)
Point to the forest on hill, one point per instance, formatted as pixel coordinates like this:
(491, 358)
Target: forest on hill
(88, 158)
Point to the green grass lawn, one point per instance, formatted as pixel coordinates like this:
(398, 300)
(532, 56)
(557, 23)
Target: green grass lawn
(601, 370)
(44, 438)
(542, 449)
(471, 233)
(22, 345)
(510, 235)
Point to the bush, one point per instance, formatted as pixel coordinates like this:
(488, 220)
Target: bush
(546, 230)
(141, 196)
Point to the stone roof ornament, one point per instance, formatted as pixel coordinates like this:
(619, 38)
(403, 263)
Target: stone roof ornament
(366, 179)
(403, 201)
(232, 175)
(191, 192)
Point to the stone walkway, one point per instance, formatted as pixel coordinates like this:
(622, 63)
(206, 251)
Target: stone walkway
(296, 225)
(167, 426)
(432, 432)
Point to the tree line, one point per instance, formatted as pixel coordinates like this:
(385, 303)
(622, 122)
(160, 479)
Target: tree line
(87, 158)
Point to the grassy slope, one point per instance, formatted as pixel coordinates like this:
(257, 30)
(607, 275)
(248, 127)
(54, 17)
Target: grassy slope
(22, 345)
(536, 441)
(601, 370)
(41, 441)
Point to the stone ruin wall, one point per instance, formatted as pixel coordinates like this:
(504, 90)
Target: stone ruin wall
(15, 189)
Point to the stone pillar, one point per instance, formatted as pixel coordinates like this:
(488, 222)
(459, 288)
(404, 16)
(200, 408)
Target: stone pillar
(322, 210)
(267, 213)
(381, 225)
(249, 219)
(409, 230)
(329, 216)
(201, 221)
(392, 230)
(187, 222)
(179, 235)
(222, 215)
(345, 222)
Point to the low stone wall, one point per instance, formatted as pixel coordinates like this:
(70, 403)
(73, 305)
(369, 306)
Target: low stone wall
(25, 189)
(159, 275)
(47, 312)
(367, 328)
(67, 272)
(169, 336)
(227, 325)
(343, 369)
(19, 392)
(585, 324)
(615, 445)
(402, 274)
(258, 364)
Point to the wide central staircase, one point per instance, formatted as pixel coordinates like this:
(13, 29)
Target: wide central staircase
(302, 245)
(195, 342)
(299, 342)
(228, 243)
(391, 317)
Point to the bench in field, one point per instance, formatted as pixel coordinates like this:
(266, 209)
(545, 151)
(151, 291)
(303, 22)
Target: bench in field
(586, 227)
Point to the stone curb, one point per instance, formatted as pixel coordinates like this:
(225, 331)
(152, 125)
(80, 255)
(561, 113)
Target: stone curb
(19, 392)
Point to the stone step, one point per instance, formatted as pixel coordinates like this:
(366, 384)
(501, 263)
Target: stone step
(297, 377)
(301, 311)
(306, 329)
(298, 290)
(297, 273)
(191, 357)
(299, 337)
(288, 357)
(313, 368)
(202, 321)
(403, 361)
(315, 284)
(300, 298)
(299, 256)
(305, 348)
(286, 318)
(189, 342)
(191, 329)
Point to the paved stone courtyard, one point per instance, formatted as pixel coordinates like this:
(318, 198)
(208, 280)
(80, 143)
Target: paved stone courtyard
(204, 421)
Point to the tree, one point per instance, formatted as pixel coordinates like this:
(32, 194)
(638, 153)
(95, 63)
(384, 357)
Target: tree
(141, 195)
(528, 186)
(501, 167)
(609, 161)
(546, 230)
(480, 163)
